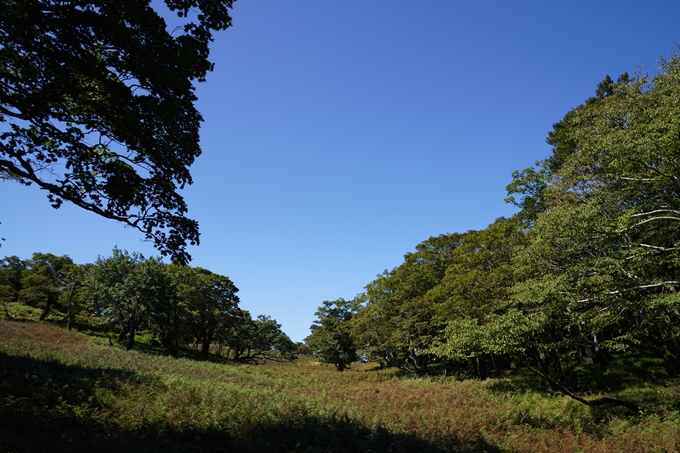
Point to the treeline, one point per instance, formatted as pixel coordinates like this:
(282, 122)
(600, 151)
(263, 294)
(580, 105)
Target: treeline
(177, 305)
(588, 267)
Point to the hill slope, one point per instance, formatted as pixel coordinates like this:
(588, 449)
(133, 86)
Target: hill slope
(61, 392)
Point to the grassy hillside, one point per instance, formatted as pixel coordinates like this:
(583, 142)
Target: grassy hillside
(60, 391)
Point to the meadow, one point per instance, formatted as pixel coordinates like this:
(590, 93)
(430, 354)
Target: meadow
(62, 391)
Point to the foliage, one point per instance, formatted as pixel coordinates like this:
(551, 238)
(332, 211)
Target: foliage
(203, 301)
(530, 185)
(396, 321)
(269, 341)
(11, 269)
(179, 307)
(587, 268)
(113, 293)
(97, 106)
(600, 268)
(48, 280)
(476, 282)
(331, 340)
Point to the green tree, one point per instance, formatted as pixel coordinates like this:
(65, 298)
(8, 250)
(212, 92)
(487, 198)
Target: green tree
(111, 290)
(6, 296)
(599, 272)
(70, 297)
(10, 281)
(46, 279)
(11, 268)
(284, 347)
(527, 191)
(269, 341)
(211, 303)
(528, 188)
(618, 198)
(396, 322)
(171, 317)
(238, 336)
(248, 339)
(331, 340)
(477, 282)
(97, 105)
(148, 293)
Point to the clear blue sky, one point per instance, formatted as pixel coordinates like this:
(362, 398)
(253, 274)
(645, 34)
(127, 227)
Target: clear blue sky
(338, 135)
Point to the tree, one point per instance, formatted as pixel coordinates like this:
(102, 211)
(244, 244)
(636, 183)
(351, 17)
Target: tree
(528, 188)
(210, 300)
(254, 339)
(147, 291)
(97, 105)
(47, 278)
(330, 339)
(171, 316)
(112, 291)
(284, 347)
(599, 272)
(237, 337)
(396, 322)
(478, 281)
(70, 294)
(527, 191)
(269, 341)
(11, 269)
(615, 217)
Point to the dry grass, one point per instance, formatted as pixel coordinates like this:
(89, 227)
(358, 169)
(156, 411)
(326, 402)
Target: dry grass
(59, 391)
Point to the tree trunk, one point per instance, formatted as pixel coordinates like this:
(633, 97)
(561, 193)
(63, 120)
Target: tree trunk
(123, 334)
(205, 347)
(423, 362)
(481, 367)
(48, 305)
(131, 340)
(169, 341)
(69, 319)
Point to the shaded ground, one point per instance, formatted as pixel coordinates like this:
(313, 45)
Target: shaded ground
(48, 406)
(61, 392)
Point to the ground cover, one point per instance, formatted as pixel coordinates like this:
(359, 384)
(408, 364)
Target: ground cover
(62, 391)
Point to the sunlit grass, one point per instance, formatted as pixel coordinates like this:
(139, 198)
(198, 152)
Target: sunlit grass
(18, 311)
(62, 391)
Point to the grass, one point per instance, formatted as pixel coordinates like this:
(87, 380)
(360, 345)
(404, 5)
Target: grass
(63, 391)
(20, 311)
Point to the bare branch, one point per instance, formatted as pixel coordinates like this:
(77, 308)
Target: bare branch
(674, 211)
(647, 221)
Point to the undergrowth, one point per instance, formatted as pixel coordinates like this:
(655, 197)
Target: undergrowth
(64, 391)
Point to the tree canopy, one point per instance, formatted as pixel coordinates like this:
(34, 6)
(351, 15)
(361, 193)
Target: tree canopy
(179, 307)
(587, 269)
(330, 339)
(97, 106)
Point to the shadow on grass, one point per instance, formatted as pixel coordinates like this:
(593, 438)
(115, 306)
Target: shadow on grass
(145, 343)
(515, 381)
(623, 371)
(49, 406)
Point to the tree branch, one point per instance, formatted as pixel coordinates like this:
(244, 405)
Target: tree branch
(592, 403)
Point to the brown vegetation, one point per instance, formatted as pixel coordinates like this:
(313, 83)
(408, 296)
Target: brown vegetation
(61, 392)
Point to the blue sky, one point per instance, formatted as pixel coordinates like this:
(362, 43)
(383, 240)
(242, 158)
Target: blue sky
(338, 135)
